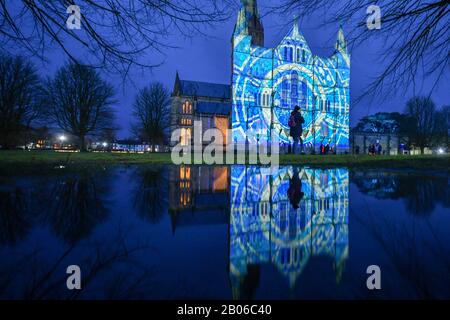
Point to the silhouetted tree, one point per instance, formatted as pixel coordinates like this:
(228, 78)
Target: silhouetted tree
(151, 113)
(115, 33)
(384, 122)
(76, 206)
(20, 98)
(443, 126)
(150, 196)
(422, 111)
(80, 102)
(14, 221)
(420, 193)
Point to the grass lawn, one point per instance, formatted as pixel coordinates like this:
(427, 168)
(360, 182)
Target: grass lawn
(19, 157)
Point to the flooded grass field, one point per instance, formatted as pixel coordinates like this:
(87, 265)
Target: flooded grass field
(224, 232)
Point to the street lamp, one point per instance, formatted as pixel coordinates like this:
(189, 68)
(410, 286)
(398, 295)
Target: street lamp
(62, 138)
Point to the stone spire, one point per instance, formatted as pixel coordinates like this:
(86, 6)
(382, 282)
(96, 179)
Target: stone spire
(295, 32)
(249, 22)
(341, 44)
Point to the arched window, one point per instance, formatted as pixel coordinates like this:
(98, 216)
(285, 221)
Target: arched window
(294, 89)
(185, 136)
(294, 84)
(265, 99)
(284, 90)
(298, 55)
(285, 53)
(303, 56)
(291, 53)
(186, 108)
(304, 94)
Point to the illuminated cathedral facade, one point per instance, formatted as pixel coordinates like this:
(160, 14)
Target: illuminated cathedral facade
(268, 82)
(266, 85)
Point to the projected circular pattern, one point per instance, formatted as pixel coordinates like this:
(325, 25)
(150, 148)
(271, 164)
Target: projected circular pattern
(263, 98)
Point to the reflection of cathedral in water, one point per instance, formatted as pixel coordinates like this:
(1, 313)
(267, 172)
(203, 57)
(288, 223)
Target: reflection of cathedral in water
(198, 195)
(264, 227)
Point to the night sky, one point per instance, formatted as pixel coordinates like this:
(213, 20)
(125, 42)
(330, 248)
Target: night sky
(208, 58)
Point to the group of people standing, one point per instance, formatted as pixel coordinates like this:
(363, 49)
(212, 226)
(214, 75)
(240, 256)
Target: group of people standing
(375, 149)
(296, 122)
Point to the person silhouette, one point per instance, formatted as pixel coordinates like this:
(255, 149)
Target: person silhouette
(295, 123)
(295, 193)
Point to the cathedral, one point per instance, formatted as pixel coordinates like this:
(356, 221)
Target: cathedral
(267, 83)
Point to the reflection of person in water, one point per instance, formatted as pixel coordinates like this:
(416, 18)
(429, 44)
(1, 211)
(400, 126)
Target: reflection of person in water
(295, 193)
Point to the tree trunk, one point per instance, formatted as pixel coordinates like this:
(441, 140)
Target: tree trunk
(82, 143)
(422, 149)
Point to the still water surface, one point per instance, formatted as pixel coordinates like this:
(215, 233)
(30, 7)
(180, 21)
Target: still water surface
(236, 232)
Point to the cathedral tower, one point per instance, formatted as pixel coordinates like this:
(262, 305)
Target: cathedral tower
(249, 23)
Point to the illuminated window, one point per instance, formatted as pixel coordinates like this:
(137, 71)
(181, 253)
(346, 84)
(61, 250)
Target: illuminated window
(185, 198)
(185, 136)
(187, 172)
(182, 174)
(284, 89)
(325, 131)
(222, 124)
(186, 121)
(186, 107)
(220, 179)
(265, 99)
(256, 97)
(303, 93)
(294, 84)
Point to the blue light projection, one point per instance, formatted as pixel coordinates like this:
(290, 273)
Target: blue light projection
(268, 82)
(265, 227)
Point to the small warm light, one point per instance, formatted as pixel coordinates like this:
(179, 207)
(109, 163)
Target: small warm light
(440, 151)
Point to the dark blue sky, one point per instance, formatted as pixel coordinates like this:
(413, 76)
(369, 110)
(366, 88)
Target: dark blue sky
(207, 58)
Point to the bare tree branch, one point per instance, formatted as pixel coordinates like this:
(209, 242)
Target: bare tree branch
(79, 101)
(415, 35)
(115, 34)
(20, 98)
(151, 113)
